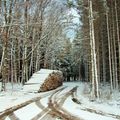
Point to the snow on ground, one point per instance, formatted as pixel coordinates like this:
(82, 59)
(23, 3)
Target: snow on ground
(14, 95)
(104, 107)
(85, 115)
(11, 98)
(29, 112)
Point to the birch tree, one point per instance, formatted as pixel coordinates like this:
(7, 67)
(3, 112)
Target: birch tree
(95, 88)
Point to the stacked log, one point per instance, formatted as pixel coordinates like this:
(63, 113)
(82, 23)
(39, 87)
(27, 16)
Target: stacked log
(54, 80)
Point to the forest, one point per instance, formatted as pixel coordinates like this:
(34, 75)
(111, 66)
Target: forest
(36, 34)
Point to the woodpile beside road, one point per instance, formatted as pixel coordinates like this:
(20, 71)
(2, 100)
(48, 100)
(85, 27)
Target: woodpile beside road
(54, 80)
(44, 80)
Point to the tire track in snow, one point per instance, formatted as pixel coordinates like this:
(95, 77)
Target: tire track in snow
(45, 110)
(57, 106)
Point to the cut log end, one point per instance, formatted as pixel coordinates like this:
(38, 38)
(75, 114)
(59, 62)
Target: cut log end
(54, 80)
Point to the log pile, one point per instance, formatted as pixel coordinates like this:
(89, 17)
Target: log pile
(53, 81)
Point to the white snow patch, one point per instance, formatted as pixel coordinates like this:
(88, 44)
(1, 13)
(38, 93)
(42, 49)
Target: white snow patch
(75, 109)
(28, 112)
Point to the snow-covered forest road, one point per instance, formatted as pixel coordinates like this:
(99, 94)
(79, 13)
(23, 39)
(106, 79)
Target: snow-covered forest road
(64, 103)
(52, 111)
(55, 109)
(69, 48)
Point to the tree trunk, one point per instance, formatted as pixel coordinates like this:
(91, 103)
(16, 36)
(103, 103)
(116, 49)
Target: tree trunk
(109, 47)
(114, 51)
(118, 38)
(95, 86)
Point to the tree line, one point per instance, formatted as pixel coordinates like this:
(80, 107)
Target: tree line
(99, 38)
(31, 37)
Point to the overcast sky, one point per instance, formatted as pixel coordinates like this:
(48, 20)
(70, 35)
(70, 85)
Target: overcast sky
(71, 32)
